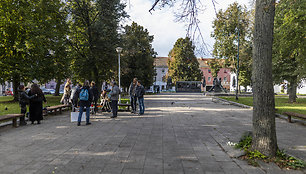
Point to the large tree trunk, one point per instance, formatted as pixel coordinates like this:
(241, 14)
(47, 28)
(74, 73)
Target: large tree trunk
(57, 87)
(292, 90)
(16, 83)
(264, 133)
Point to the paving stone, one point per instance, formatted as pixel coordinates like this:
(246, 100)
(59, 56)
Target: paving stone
(188, 136)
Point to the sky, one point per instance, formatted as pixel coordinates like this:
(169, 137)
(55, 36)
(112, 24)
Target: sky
(161, 23)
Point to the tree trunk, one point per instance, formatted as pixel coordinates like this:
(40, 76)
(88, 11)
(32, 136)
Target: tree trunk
(16, 83)
(57, 87)
(264, 133)
(292, 90)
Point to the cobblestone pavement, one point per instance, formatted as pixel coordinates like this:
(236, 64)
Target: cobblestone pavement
(179, 133)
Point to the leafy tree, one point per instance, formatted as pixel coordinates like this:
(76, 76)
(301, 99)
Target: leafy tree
(183, 64)
(30, 29)
(15, 31)
(93, 38)
(137, 56)
(215, 65)
(235, 19)
(289, 44)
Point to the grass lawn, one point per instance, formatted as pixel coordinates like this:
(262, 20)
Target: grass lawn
(13, 107)
(281, 103)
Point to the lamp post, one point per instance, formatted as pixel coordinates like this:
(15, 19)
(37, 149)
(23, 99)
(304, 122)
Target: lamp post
(237, 86)
(119, 49)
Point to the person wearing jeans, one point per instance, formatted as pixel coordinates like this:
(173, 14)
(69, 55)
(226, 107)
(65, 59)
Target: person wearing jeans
(85, 95)
(133, 97)
(114, 96)
(140, 92)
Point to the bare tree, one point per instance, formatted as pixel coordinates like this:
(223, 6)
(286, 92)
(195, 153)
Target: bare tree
(264, 133)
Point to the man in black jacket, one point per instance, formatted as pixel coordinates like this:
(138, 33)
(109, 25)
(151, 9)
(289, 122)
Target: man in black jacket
(85, 96)
(96, 95)
(23, 102)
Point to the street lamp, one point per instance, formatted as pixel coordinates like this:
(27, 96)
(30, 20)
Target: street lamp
(238, 57)
(119, 49)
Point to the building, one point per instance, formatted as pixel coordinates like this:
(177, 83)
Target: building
(224, 74)
(161, 69)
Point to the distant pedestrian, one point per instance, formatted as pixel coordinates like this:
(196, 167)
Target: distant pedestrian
(139, 93)
(36, 104)
(85, 97)
(67, 92)
(133, 97)
(114, 96)
(24, 100)
(96, 95)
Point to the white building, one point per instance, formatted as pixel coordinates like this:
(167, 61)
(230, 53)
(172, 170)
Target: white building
(161, 68)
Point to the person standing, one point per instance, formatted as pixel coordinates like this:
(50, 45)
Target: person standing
(96, 94)
(85, 96)
(67, 93)
(139, 93)
(36, 104)
(23, 102)
(133, 98)
(74, 95)
(114, 96)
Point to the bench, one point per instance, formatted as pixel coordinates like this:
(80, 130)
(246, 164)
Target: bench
(55, 109)
(292, 114)
(11, 117)
(128, 106)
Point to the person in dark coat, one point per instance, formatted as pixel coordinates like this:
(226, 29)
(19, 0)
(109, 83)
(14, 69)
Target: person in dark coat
(139, 93)
(74, 97)
(24, 100)
(85, 97)
(96, 95)
(36, 104)
(114, 96)
(133, 97)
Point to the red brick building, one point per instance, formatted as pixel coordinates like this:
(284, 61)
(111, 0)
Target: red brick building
(224, 74)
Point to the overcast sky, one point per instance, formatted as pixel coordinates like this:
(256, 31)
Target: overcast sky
(161, 23)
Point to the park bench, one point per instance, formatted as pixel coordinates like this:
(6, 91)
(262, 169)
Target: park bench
(127, 106)
(292, 114)
(57, 108)
(13, 117)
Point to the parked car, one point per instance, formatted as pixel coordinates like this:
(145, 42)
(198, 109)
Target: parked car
(52, 91)
(45, 91)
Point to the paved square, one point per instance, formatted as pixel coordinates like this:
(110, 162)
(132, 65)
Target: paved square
(179, 133)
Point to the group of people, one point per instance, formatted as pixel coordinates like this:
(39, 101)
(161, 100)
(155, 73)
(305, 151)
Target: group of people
(86, 95)
(82, 96)
(34, 98)
(136, 92)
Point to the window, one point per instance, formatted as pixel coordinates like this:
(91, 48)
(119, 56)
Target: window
(224, 79)
(209, 71)
(225, 71)
(163, 70)
(209, 79)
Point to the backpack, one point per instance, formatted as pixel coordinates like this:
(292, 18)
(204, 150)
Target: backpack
(84, 95)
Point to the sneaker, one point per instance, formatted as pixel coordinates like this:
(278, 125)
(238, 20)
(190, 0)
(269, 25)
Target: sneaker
(79, 124)
(88, 123)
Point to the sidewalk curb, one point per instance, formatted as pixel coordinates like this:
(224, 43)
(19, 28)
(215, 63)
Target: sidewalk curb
(232, 103)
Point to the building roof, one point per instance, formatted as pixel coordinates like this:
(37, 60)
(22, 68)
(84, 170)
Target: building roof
(161, 61)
